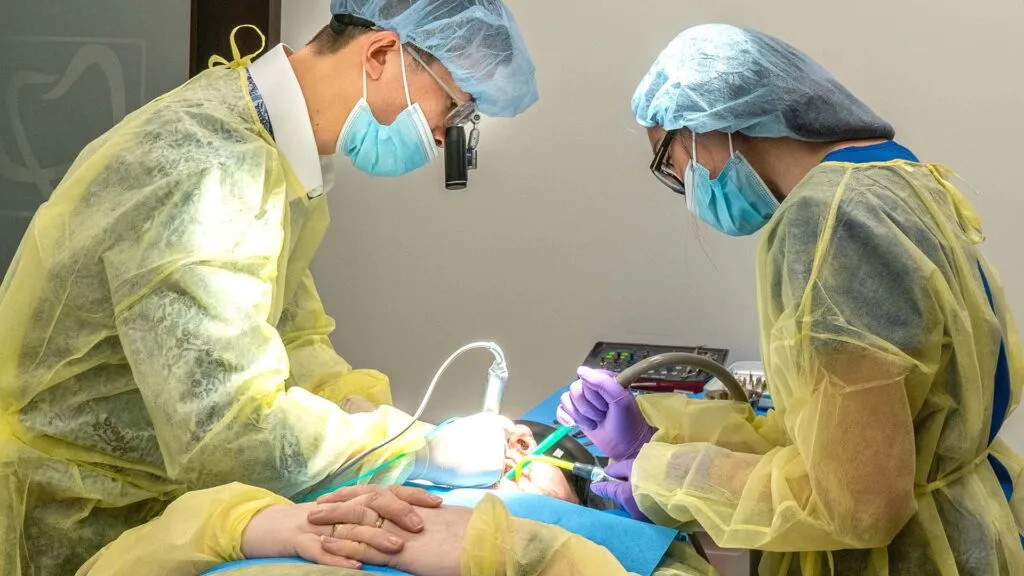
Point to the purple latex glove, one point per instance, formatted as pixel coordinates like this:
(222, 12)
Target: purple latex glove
(606, 412)
(620, 492)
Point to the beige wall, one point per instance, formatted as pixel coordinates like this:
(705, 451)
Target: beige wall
(564, 238)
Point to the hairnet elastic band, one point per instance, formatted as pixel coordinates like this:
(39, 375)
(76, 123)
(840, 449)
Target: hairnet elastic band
(342, 21)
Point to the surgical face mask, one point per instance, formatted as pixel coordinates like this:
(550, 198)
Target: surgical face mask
(394, 150)
(737, 203)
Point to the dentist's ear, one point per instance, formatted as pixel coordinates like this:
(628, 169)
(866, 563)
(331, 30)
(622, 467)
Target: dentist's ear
(379, 46)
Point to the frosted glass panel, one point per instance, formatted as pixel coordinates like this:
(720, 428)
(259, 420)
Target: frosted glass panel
(70, 70)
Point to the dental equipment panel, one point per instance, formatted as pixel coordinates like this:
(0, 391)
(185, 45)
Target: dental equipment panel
(617, 357)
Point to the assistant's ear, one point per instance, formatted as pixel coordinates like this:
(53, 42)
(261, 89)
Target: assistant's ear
(379, 47)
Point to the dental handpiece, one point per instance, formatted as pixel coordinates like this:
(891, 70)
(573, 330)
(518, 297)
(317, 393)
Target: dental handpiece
(497, 379)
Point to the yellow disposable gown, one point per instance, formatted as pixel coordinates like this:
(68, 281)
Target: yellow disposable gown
(880, 347)
(161, 333)
(204, 529)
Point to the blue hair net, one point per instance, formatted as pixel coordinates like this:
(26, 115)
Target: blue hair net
(477, 40)
(717, 77)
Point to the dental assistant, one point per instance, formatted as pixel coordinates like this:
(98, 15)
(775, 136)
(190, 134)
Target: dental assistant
(889, 348)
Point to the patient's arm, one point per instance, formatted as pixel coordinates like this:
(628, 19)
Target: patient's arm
(487, 540)
(497, 543)
(206, 528)
(185, 539)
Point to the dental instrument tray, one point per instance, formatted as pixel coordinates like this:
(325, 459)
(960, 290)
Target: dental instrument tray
(616, 357)
(751, 377)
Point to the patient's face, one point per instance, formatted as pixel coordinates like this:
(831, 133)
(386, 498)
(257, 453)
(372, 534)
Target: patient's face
(538, 477)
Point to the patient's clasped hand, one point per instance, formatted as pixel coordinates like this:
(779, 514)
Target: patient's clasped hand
(374, 525)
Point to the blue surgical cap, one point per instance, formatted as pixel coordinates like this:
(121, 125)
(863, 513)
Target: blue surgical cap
(717, 77)
(478, 41)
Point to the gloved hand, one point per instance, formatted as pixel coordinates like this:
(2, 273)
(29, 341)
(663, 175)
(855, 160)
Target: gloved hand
(620, 492)
(606, 412)
(466, 453)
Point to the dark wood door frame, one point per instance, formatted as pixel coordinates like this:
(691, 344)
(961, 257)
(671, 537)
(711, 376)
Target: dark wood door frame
(213, 21)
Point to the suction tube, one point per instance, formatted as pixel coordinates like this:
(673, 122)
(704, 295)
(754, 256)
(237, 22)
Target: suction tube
(545, 445)
(630, 375)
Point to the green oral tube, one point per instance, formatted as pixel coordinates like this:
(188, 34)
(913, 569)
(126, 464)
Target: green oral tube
(544, 446)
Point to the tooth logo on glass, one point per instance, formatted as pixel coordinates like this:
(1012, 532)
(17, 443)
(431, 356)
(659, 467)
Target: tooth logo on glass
(58, 95)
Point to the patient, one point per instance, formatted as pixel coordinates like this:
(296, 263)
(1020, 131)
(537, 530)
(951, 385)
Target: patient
(354, 529)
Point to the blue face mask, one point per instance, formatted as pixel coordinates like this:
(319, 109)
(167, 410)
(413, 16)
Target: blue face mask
(737, 203)
(405, 145)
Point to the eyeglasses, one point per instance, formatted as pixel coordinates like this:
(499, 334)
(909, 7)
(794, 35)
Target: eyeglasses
(664, 172)
(463, 111)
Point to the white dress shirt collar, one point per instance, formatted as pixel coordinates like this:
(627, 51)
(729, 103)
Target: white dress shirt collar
(286, 107)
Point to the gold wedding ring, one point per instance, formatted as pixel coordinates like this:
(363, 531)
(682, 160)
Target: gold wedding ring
(380, 521)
